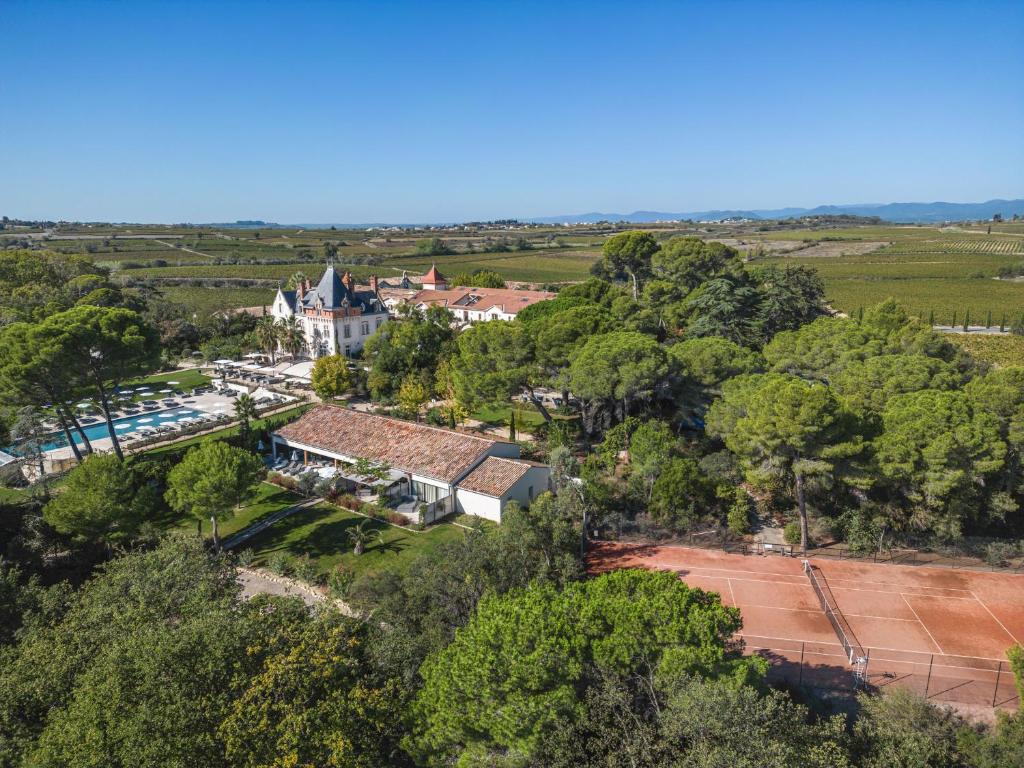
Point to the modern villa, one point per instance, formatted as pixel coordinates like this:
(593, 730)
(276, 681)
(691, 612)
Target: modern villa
(447, 470)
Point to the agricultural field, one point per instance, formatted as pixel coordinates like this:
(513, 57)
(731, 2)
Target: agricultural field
(206, 301)
(930, 269)
(1000, 351)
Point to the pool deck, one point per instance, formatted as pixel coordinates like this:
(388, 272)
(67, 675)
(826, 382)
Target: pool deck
(209, 402)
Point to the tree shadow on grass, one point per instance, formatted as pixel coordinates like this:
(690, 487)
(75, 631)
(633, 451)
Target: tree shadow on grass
(323, 538)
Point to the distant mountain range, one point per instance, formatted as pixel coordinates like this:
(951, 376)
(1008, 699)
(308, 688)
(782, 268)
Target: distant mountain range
(910, 213)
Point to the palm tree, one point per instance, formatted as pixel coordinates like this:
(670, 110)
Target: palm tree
(245, 412)
(361, 535)
(267, 333)
(293, 338)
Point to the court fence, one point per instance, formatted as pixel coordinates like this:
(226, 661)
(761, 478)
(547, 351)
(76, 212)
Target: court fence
(938, 677)
(967, 557)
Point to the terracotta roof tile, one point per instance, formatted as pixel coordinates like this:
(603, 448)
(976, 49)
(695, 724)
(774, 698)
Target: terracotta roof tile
(508, 300)
(495, 476)
(418, 448)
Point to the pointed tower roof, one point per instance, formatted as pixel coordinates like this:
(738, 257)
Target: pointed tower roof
(433, 276)
(331, 289)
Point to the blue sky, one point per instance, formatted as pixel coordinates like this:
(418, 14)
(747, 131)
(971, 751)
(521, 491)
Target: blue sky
(410, 112)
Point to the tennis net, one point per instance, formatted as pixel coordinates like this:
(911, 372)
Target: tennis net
(854, 653)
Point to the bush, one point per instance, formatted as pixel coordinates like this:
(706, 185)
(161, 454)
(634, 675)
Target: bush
(306, 483)
(280, 563)
(397, 518)
(998, 553)
(284, 481)
(371, 510)
(304, 569)
(348, 501)
(339, 580)
(245, 558)
(791, 533)
(738, 519)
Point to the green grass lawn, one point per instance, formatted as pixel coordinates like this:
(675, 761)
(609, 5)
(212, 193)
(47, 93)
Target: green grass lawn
(188, 378)
(321, 532)
(526, 415)
(267, 500)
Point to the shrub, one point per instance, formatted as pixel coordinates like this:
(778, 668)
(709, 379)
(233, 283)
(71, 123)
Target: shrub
(1016, 656)
(306, 483)
(738, 519)
(284, 481)
(791, 533)
(998, 553)
(348, 501)
(339, 580)
(370, 510)
(304, 569)
(280, 563)
(397, 518)
(245, 558)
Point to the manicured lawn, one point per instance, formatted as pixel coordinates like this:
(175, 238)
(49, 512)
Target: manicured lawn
(526, 415)
(189, 378)
(321, 532)
(267, 500)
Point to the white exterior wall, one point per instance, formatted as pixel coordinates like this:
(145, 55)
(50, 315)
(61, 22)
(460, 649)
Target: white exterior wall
(536, 479)
(280, 308)
(479, 504)
(332, 330)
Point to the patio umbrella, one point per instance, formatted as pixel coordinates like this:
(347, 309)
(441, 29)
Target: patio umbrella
(260, 446)
(166, 391)
(295, 455)
(173, 383)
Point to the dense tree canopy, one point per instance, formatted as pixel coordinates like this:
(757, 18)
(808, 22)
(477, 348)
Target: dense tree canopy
(518, 666)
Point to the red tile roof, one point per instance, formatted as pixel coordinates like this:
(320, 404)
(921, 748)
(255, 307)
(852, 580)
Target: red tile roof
(439, 453)
(433, 276)
(508, 300)
(495, 476)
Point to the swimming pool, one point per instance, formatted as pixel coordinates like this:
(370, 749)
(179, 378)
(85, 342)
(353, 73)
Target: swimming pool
(124, 426)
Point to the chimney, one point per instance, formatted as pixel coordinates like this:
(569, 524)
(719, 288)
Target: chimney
(373, 284)
(346, 279)
(300, 289)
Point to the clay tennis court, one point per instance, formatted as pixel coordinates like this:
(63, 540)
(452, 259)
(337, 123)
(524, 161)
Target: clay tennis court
(943, 632)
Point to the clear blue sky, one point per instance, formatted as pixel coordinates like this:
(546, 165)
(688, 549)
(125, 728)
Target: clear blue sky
(409, 112)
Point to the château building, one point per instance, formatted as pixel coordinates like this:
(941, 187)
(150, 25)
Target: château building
(336, 316)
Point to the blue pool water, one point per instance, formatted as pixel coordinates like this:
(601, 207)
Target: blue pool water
(123, 426)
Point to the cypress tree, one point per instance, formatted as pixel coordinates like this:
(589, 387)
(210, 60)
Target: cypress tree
(988, 319)
(931, 318)
(967, 319)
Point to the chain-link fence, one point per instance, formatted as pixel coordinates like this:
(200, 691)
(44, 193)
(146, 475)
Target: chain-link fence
(938, 677)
